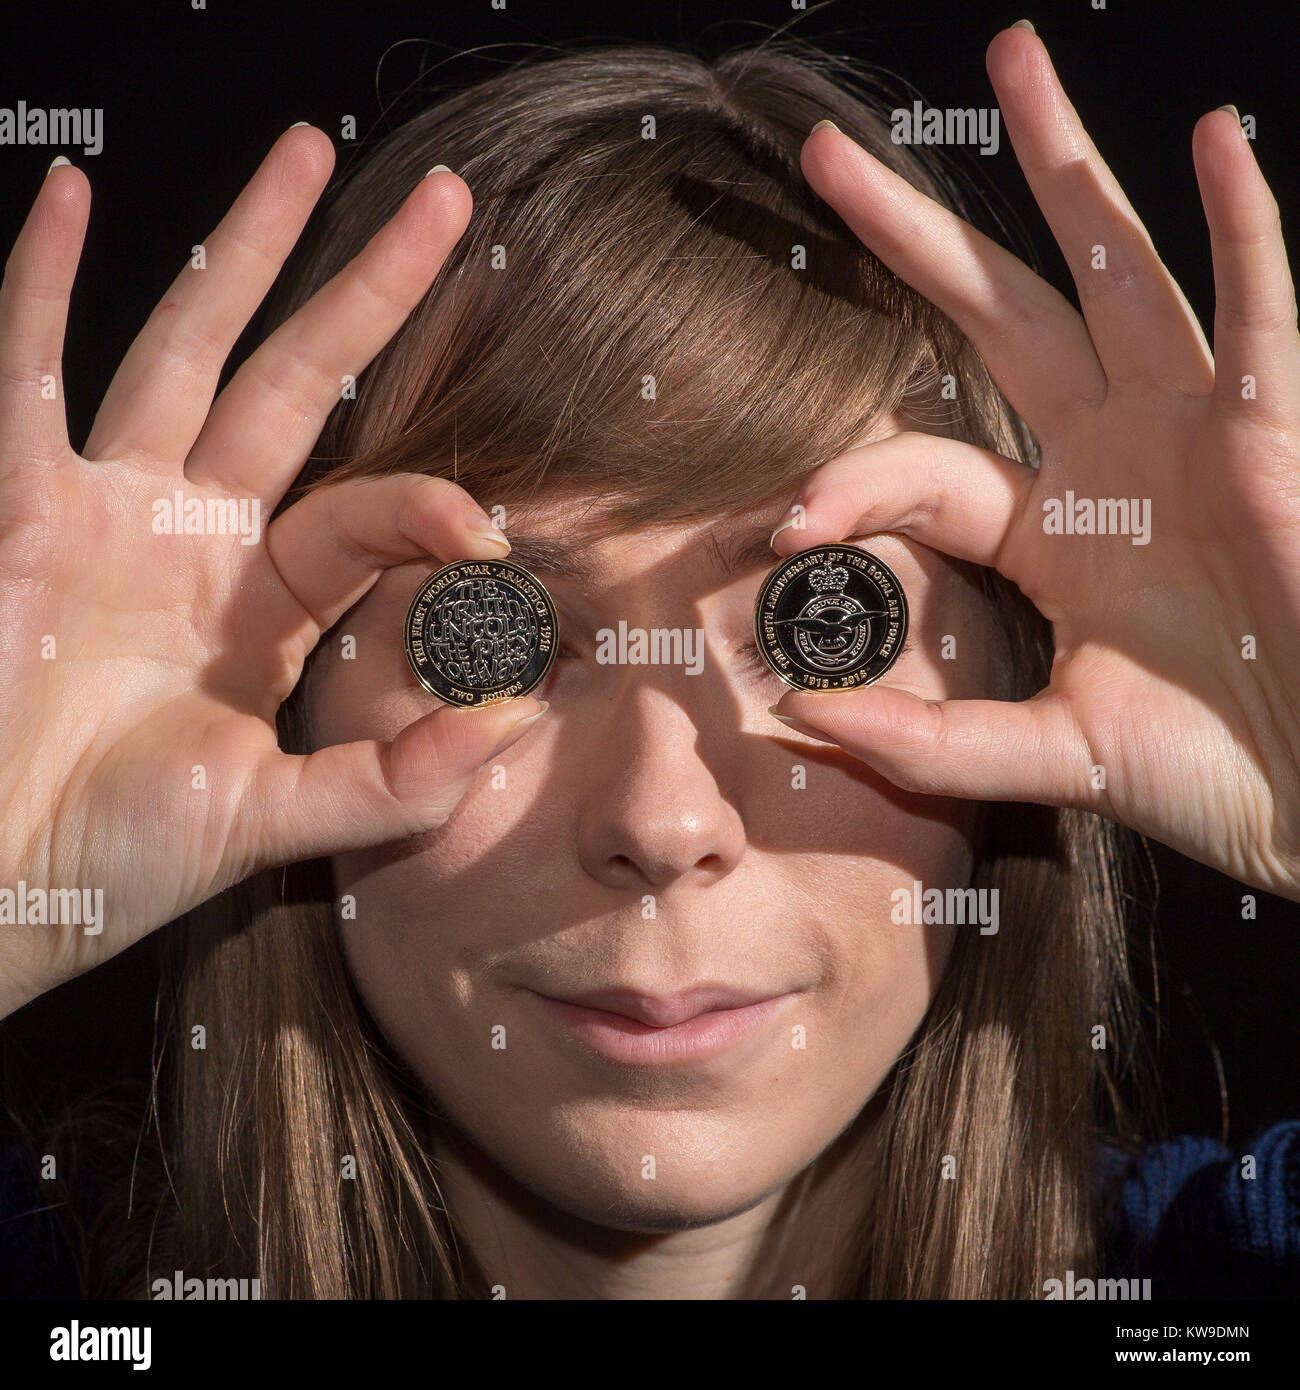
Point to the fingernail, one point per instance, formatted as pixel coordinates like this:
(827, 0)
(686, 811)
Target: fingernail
(825, 125)
(296, 124)
(795, 518)
(438, 169)
(492, 535)
(1231, 108)
(1024, 24)
(799, 725)
(518, 729)
(57, 160)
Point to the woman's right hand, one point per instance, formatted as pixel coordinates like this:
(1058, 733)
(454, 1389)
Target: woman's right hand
(143, 670)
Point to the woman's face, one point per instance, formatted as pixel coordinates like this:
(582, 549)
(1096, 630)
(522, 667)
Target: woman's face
(657, 844)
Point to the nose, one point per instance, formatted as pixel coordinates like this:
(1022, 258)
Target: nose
(654, 811)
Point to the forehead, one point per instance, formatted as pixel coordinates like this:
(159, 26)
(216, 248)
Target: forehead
(563, 538)
(544, 538)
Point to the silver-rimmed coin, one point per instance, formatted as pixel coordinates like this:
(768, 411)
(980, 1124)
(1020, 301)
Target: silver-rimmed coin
(831, 618)
(478, 631)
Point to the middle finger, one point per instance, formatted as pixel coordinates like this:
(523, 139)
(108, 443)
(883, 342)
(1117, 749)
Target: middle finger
(262, 427)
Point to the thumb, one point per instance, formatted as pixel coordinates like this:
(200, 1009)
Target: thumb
(353, 795)
(992, 750)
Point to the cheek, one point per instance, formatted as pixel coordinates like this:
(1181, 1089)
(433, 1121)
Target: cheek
(421, 917)
(508, 839)
(891, 972)
(417, 914)
(863, 848)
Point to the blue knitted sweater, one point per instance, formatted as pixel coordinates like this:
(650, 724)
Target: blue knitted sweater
(1201, 1222)
(1193, 1218)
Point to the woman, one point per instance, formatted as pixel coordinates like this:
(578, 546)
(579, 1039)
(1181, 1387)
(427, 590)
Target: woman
(454, 1048)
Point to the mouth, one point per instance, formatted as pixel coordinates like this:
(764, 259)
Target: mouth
(640, 1029)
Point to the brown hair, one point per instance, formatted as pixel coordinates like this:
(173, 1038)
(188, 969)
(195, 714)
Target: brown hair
(597, 257)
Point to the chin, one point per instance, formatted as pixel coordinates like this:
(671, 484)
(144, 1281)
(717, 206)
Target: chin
(705, 1169)
(654, 1208)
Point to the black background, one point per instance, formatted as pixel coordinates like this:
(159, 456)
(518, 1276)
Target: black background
(193, 99)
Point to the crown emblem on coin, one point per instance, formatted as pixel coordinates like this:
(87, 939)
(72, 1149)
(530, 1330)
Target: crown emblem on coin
(828, 578)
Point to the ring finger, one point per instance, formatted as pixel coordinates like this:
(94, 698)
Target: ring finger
(262, 427)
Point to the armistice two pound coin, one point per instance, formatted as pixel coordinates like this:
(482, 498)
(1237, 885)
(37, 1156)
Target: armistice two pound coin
(831, 618)
(478, 631)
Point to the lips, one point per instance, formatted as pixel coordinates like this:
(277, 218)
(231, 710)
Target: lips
(667, 1010)
(636, 1027)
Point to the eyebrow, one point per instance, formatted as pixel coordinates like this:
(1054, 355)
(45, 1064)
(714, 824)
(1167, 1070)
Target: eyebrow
(730, 552)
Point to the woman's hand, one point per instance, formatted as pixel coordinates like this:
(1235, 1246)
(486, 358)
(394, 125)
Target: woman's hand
(1174, 702)
(143, 670)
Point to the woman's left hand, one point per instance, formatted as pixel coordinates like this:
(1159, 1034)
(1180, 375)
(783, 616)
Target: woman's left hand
(1177, 666)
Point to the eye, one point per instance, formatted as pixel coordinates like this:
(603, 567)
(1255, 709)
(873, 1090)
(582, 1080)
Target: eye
(563, 653)
(750, 659)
